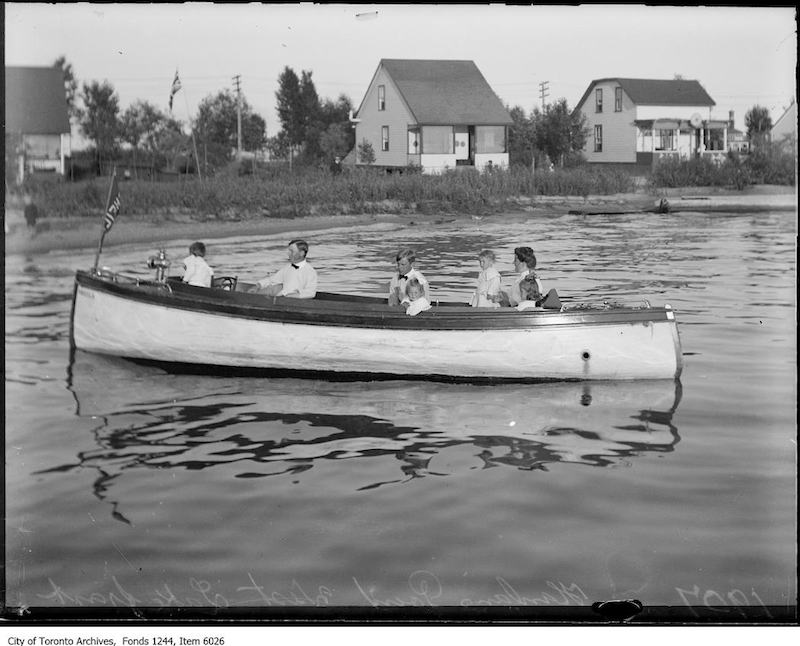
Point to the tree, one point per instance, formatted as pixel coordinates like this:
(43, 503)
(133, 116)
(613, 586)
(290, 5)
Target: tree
(559, 132)
(521, 138)
(138, 124)
(758, 124)
(99, 119)
(289, 108)
(337, 113)
(306, 120)
(168, 141)
(334, 142)
(70, 85)
(216, 127)
(312, 126)
(366, 153)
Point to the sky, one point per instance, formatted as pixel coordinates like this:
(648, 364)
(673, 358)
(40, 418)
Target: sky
(743, 56)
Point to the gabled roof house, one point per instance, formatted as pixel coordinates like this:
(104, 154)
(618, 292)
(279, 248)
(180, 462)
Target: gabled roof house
(37, 124)
(434, 114)
(638, 121)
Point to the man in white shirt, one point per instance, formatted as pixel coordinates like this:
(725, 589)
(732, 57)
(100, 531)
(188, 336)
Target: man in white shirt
(405, 272)
(298, 279)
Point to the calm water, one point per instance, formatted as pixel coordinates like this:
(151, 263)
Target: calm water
(126, 485)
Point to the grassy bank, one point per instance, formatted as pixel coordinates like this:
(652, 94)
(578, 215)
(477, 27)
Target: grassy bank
(281, 193)
(312, 192)
(767, 165)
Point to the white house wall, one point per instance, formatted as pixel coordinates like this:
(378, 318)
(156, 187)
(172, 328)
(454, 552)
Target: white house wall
(619, 132)
(396, 116)
(672, 112)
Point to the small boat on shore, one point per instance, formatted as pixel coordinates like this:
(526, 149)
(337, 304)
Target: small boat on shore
(225, 327)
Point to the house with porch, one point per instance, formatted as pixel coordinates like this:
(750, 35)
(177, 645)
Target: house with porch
(433, 114)
(639, 121)
(37, 124)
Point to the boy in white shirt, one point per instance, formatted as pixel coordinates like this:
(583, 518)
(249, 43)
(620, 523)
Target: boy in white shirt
(196, 270)
(405, 273)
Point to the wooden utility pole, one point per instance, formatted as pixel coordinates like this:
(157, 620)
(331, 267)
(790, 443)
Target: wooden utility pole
(543, 92)
(236, 80)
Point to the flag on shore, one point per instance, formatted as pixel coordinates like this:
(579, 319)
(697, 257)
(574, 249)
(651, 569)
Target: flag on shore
(113, 206)
(176, 85)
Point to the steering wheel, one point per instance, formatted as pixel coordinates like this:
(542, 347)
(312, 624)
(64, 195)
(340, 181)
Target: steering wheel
(227, 283)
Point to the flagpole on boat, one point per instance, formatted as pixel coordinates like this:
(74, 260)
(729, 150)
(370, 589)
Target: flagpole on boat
(104, 222)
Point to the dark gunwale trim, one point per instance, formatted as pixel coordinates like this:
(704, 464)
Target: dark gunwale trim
(372, 313)
(346, 376)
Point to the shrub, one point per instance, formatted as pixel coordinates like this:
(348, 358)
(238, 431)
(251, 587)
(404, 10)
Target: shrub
(766, 165)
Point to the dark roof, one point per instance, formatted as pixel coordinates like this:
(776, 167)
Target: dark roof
(446, 92)
(658, 92)
(36, 102)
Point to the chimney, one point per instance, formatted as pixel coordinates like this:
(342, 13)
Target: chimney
(730, 119)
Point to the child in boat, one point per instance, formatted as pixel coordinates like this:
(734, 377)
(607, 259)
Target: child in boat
(487, 292)
(197, 272)
(415, 301)
(531, 295)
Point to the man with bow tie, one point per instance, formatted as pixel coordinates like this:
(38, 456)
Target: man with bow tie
(297, 279)
(405, 271)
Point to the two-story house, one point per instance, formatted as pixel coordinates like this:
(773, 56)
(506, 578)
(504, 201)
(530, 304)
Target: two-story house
(434, 114)
(37, 124)
(638, 121)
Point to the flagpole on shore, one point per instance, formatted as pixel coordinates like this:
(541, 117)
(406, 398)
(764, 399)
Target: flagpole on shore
(105, 223)
(194, 143)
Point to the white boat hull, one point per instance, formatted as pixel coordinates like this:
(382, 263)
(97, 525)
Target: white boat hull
(115, 324)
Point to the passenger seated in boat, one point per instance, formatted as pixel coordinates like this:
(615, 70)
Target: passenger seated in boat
(530, 292)
(415, 300)
(487, 292)
(196, 270)
(524, 264)
(298, 279)
(405, 272)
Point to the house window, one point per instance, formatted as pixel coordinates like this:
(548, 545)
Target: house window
(490, 139)
(598, 139)
(437, 140)
(618, 99)
(384, 138)
(381, 97)
(598, 100)
(714, 140)
(414, 147)
(665, 140)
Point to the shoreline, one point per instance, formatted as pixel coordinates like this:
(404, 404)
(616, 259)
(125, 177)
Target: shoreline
(84, 233)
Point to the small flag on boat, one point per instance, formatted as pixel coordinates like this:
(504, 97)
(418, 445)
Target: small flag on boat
(114, 204)
(176, 85)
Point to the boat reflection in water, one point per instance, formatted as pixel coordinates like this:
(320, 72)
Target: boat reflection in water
(269, 427)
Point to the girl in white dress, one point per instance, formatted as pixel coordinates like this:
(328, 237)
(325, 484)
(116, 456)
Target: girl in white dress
(488, 288)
